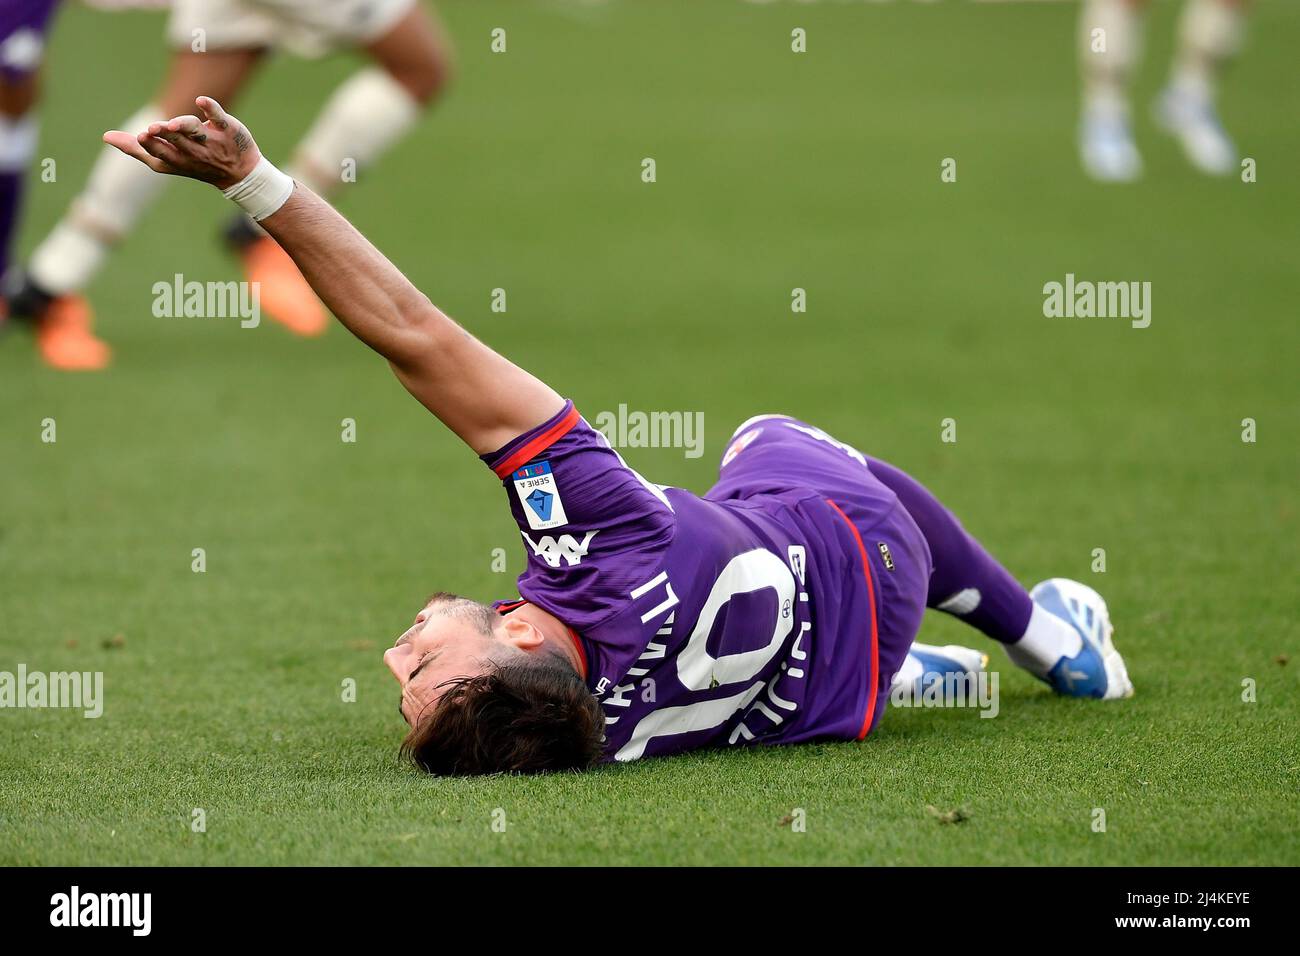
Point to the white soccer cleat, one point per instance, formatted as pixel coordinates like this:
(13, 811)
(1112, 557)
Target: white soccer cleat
(1097, 670)
(927, 665)
(1106, 148)
(1191, 118)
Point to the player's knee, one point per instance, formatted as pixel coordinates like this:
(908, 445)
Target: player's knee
(18, 95)
(417, 55)
(425, 78)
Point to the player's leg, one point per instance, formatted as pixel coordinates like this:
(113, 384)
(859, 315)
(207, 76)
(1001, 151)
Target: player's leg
(17, 150)
(1109, 43)
(1209, 36)
(1042, 631)
(772, 453)
(23, 28)
(361, 121)
(377, 106)
(116, 194)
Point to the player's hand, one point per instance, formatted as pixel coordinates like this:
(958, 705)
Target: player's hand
(216, 149)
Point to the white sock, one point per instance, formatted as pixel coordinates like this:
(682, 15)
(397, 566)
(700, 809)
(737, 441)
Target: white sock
(358, 124)
(118, 191)
(1209, 35)
(1110, 40)
(1046, 640)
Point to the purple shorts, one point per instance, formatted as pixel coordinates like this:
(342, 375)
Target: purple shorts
(24, 25)
(774, 454)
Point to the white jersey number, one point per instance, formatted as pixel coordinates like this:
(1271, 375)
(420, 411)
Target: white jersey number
(698, 670)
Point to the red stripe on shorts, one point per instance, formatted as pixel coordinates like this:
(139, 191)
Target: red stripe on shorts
(875, 636)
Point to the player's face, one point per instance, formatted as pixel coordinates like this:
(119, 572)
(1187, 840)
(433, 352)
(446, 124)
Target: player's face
(446, 641)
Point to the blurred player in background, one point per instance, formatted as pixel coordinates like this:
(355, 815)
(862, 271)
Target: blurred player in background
(1209, 35)
(23, 27)
(217, 46)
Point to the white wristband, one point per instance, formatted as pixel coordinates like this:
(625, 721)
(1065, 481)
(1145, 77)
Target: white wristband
(262, 191)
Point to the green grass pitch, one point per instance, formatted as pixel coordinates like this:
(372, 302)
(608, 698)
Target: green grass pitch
(774, 171)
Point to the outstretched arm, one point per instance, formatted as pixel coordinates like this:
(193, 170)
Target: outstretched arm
(481, 396)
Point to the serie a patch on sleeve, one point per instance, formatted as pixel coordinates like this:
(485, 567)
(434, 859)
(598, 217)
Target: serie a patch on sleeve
(535, 486)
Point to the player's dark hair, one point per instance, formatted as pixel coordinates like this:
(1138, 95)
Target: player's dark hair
(520, 717)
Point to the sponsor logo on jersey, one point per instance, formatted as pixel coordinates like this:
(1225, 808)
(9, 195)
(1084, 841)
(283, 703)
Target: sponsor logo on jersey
(566, 548)
(539, 496)
(884, 553)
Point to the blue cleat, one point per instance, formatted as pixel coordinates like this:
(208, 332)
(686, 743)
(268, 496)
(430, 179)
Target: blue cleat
(1097, 670)
(949, 667)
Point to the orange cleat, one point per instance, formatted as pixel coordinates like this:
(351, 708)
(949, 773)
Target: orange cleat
(285, 295)
(65, 339)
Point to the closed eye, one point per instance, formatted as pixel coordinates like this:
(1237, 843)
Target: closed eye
(424, 662)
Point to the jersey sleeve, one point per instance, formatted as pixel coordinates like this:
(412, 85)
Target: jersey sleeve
(593, 529)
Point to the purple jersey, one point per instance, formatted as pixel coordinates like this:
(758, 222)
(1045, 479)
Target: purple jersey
(775, 609)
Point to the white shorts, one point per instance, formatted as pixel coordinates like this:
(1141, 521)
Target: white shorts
(306, 27)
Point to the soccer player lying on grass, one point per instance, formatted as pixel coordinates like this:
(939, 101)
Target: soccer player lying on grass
(777, 608)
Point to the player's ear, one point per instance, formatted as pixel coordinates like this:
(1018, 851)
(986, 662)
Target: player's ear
(521, 634)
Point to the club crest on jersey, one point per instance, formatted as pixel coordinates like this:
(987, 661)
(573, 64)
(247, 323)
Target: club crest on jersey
(539, 496)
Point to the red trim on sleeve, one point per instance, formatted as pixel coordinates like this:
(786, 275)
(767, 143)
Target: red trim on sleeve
(537, 444)
(872, 692)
